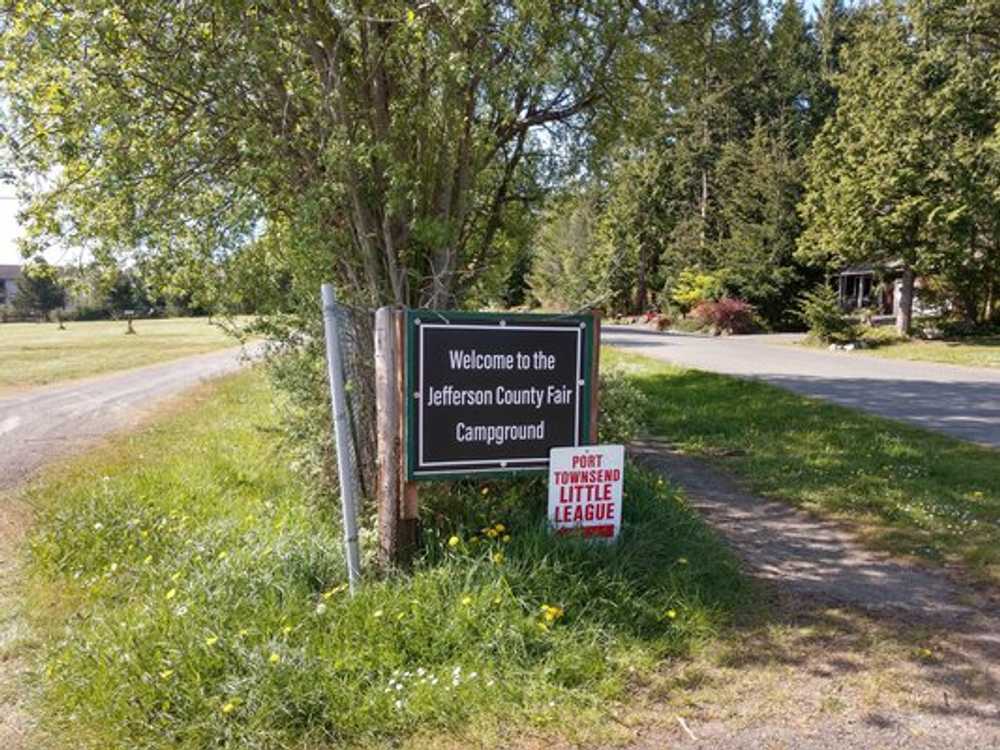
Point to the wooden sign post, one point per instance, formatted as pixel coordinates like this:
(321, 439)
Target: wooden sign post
(468, 394)
(397, 498)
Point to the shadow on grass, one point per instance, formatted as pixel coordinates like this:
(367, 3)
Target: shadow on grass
(812, 642)
(918, 492)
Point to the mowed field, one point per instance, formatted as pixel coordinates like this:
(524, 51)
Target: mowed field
(39, 353)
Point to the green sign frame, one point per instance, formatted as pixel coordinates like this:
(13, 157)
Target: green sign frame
(413, 319)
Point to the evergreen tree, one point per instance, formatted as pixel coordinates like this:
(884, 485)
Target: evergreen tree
(794, 64)
(756, 256)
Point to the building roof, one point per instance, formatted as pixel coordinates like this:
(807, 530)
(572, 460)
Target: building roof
(10, 272)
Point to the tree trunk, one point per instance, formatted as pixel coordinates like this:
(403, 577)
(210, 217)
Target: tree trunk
(904, 311)
(641, 295)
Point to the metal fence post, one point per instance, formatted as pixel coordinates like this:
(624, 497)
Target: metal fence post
(342, 433)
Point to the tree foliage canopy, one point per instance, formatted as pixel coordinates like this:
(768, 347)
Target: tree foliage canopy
(383, 142)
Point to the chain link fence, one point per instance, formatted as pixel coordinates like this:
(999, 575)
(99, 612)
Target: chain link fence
(355, 337)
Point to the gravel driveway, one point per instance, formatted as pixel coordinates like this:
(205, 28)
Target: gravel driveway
(963, 402)
(38, 425)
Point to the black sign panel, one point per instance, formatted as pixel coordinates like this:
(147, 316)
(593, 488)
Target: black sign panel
(494, 393)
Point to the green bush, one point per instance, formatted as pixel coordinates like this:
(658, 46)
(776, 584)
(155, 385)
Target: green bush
(693, 287)
(622, 408)
(880, 335)
(820, 310)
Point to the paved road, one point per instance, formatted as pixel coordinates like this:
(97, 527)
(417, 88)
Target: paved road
(961, 401)
(40, 424)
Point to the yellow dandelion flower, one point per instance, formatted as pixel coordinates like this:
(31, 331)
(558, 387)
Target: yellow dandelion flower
(551, 613)
(171, 594)
(274, 658)
(454, 542)
(243, 632)
(671, 614)
(500, 528)
(466, 600)
(227, 708)
(506, 539)
(498, 557)
(491, 533)
(211, 640)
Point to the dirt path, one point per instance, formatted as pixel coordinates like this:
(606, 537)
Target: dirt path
(855, 649)
(40, 424)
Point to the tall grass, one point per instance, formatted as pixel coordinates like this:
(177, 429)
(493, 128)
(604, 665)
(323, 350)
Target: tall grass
(191, 594)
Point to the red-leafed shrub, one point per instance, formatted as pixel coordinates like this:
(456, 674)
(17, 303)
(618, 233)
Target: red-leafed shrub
(726, 315)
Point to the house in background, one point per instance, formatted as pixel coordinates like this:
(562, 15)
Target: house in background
(9, 276)
(878, 290)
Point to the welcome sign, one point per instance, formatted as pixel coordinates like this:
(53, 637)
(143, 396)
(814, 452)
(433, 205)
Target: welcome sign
(494, 393)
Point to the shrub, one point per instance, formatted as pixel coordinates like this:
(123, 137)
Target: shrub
(820, 310)
(880, 335)
(694, 287)
(622, 408)
(725, 316)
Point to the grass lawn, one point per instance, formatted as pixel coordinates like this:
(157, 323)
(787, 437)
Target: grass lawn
(912, 492)
(39, 353)
(972, 352)
(189, 593)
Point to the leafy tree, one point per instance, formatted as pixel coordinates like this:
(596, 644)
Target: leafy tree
(125, 292)
(394, 138)
(39, 289)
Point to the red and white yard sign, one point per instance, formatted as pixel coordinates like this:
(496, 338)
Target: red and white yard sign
(585, 489)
